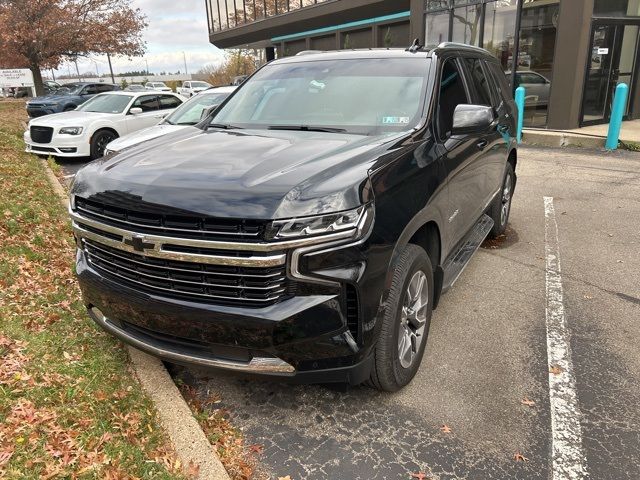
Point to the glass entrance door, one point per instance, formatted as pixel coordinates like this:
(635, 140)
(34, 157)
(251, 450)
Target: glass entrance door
(614, 48)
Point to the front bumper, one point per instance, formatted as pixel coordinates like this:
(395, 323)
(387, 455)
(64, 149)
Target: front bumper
(39, 111)
(59, 146)
(302, 339)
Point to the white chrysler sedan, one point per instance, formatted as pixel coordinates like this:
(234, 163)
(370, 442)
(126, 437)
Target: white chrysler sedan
(188, 114)
(86, 131)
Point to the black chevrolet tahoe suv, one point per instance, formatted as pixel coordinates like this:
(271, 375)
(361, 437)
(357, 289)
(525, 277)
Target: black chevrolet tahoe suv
(308, 226)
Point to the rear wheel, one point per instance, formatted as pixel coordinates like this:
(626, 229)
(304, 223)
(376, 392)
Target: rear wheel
(405, 325)
(501, 207)
(99, 142)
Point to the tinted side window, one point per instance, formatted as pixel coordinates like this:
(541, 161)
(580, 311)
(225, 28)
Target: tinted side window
(148, 103)
(89, 90)
(480, 81)
(529, 78)
(452, 94)
(169, 101)
(104, 88)
(500, 79)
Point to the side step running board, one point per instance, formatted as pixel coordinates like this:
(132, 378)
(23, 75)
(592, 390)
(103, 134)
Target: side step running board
(458, 259)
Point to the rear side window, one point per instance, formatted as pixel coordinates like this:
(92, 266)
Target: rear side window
(148, 103)
(452, 94)
(480, 81)
(104, 88)
(500, 79)
(169, 101)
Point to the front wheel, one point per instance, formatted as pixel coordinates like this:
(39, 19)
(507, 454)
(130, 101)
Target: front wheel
(99, 142)
(501, 207)
(405, 325)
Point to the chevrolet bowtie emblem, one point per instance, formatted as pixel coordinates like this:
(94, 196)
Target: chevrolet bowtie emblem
(138, 243)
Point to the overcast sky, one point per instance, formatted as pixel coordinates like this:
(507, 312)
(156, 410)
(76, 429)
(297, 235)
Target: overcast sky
(175, 26)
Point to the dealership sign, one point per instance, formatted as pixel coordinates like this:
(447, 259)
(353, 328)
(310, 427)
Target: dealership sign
(17, 77)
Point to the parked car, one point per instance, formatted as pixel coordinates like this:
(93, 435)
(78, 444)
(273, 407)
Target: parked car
(86, 131)
(537, 87)
(67, 97)
(188, 114)
(308, 230)
(135, 87)
(157, 87)
(190, 88)
(23, 92)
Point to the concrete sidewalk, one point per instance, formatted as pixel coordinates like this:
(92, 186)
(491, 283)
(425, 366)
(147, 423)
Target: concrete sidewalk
(593, 136)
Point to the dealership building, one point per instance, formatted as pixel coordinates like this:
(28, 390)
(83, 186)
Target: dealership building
(569, 54)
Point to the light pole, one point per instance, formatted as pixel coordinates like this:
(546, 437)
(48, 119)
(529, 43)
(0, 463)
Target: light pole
(113, 80)
(184, 57)
(147, 62)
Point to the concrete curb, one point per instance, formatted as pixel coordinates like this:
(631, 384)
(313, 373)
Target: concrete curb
(561, 139)
(188, 439)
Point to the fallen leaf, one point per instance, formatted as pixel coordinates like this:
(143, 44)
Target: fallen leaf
(284, 478)
(588, 297)
(256, 449)
(527, 402)
(445, 429)
(419, 475)
(518, 457)
(556, 370)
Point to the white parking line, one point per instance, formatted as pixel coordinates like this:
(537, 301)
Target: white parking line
(568, 462)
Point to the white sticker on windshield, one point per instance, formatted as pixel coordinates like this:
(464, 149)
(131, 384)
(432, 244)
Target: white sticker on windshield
(395, 120)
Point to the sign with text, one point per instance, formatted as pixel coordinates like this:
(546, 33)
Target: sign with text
(17, 77)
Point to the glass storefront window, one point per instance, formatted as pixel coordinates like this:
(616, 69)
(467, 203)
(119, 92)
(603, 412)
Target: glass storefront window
(466, 24)
(499, 30)
(616, 8)
(437, 28)
(432, 5)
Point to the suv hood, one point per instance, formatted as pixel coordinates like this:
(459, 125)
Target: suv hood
(51, 98)
(240, 173)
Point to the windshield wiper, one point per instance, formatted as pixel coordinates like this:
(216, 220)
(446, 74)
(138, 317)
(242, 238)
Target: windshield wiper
(224, 126)
(307, 128)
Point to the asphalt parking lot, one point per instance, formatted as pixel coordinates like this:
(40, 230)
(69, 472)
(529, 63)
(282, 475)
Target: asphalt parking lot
(485, 375)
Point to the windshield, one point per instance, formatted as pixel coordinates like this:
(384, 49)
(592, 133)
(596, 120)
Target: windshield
(190, 112)
(200, 85)
(365, 96)
(70, 89)
(106, 103)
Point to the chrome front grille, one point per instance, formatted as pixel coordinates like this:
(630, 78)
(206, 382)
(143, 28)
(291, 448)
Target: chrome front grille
(169, 262)
(246, 286)
(155, 220)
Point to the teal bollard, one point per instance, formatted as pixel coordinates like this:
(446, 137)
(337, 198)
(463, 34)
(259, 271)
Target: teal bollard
(520, 93)
(617, 112)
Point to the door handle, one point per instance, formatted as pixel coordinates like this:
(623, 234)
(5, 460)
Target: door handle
(482, 144)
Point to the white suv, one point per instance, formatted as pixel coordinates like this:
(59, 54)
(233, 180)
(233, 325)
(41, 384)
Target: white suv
(157, 87)
(190, 88)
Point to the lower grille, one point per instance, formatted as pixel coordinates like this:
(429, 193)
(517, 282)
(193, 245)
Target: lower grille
(219, 284)
(41, 134)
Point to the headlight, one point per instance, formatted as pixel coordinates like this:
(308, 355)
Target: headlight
(318, 225)
(71, 130)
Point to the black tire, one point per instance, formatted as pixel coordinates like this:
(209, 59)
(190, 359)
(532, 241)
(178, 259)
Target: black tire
(388, 372)
(99, 141)
(501, 207)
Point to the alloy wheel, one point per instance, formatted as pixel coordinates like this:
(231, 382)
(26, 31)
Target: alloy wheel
(506, 200)
(413, 319)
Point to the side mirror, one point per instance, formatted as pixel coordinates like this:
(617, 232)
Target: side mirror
(471, 119)
(207, 112)
(135, 111)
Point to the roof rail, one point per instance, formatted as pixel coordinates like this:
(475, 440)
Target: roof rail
(309, 52)
(461, 45)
